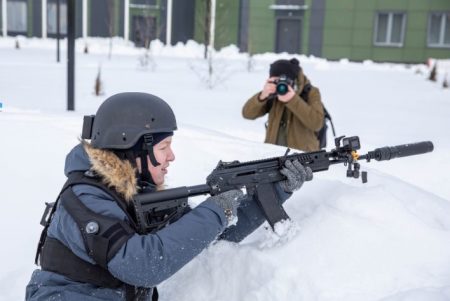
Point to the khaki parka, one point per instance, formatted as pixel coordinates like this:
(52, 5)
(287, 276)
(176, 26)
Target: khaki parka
(303, 118)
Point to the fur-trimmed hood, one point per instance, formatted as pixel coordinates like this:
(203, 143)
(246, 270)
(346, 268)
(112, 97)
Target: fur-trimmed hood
(115, 173)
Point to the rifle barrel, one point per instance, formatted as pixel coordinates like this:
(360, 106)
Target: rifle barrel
(398, 151)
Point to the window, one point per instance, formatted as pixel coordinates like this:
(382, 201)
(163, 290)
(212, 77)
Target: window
(439, 30)
(389, 29)
(17, 16)
(51, 18)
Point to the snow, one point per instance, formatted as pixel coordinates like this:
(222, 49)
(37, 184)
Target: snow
(385, 240)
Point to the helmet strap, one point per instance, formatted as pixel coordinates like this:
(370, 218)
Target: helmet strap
(141, 151)
(145, 175)
(148, 145)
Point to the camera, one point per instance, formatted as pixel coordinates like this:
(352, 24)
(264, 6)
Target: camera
(351, 143)
(283, 83)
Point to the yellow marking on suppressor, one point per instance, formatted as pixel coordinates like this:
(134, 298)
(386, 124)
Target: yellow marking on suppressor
(355, 155)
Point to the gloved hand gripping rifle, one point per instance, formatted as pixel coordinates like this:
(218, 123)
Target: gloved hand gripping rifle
(258, 177)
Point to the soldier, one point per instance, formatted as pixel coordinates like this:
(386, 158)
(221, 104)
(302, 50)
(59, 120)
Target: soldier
(295, 109)
(92, 247)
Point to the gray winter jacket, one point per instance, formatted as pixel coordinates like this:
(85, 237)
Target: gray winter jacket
(144, 260)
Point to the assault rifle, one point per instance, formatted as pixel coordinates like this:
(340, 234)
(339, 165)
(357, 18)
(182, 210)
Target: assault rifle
(257, 177)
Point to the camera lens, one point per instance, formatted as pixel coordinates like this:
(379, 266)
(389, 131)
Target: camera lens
(282, 89)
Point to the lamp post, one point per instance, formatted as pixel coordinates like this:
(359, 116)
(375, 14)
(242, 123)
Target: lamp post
(70, 55)
(58, 29)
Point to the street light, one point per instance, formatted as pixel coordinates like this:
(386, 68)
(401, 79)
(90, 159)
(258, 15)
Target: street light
(58, 28)
(70, 55)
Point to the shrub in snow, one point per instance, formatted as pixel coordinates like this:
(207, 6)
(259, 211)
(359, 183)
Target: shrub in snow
(98, 88)
(147, 61)
(433, 73)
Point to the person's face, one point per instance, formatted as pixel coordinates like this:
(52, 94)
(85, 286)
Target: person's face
(164, 155)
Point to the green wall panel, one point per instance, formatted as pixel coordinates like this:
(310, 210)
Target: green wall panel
(362, 38)
(305, 34)
(227, 23)
(338, 37)
(347, 5)
(387, 54)
(416, 20)
(363, 20)
(415, 39)
(199, 25)
(391, 4)
(418, 4)
(360, 53)
(441, 53)
(339, 19)
(261, 33)
(337, 52)
(439, 4)
(414, 55)
(365, 5)
(116, 18)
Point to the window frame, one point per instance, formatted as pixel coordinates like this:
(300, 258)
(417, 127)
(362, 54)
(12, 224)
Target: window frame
(12, 30)
(388, 42)
(62, 18)
(441, 43)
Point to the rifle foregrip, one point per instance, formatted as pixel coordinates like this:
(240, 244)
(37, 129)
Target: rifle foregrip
(404, 150)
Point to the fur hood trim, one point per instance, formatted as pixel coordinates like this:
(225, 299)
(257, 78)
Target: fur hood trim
(115, 173)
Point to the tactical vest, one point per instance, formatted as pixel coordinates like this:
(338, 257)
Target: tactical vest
(102, 236)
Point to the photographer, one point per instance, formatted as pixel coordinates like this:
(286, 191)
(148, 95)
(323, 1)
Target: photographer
(294, 106)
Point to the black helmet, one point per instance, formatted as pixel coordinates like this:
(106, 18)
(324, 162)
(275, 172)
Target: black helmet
(130, 124)
(124, 118)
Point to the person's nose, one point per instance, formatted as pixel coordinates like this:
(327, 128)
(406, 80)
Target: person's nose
(171, 156)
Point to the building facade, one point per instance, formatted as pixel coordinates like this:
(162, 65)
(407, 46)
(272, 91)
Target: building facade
(379, 30)
(137, 20)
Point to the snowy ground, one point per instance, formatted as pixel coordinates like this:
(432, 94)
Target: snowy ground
(385, 240)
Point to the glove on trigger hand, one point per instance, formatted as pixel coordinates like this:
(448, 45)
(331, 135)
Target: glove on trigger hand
(296, 175)
(229, 201)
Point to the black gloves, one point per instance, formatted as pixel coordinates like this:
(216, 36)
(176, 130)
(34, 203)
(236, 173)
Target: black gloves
(228, 201)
